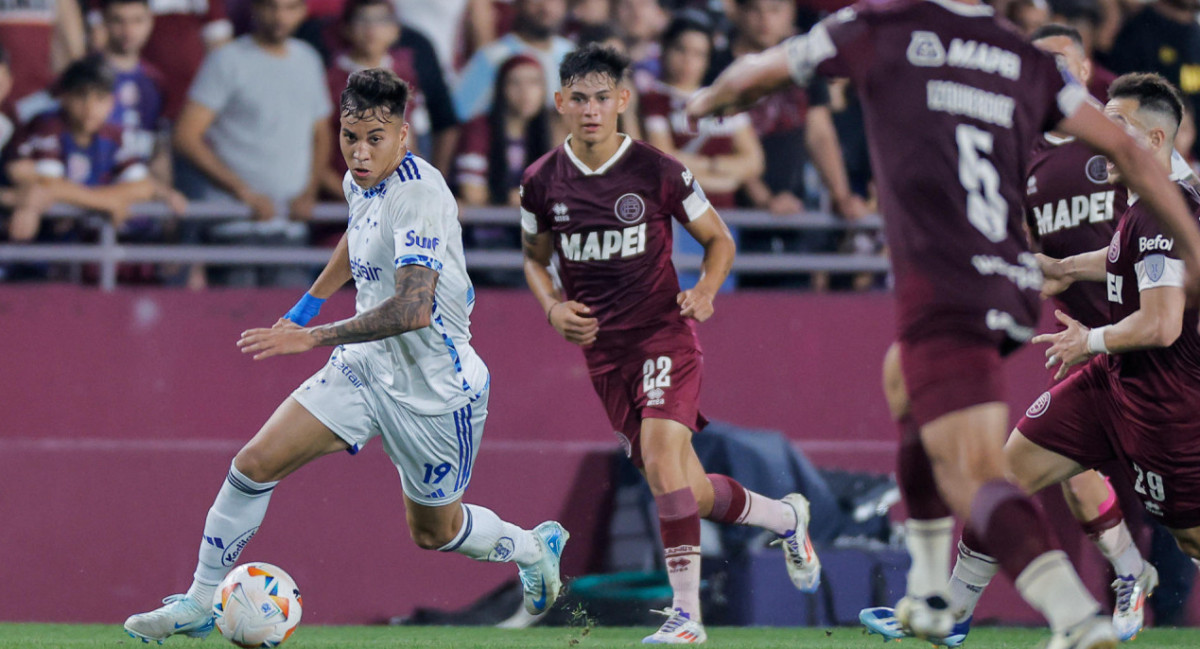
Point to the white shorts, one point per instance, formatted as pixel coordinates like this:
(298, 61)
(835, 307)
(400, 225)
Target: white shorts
(433, 453)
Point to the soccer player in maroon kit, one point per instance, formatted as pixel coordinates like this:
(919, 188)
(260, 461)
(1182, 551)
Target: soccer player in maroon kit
(952, 99)
(604, 203)
(1069, 209)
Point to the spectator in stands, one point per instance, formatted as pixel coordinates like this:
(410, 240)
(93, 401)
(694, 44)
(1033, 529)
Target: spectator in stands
(1164, 37)
(535, 32)
(43, 36)
(184, 32)
(256, 126)
(456, 28)
(723, 154)
(788, 123)
(73, 155)
(7, 127)
(583, 14)
(1027, 15)
(497, 147)
(641, 23)
(371, 29)
(138, 104)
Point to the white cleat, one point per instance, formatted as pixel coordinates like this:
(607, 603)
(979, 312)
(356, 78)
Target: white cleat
(181, 614)
(541, 581)
(1092, 633)
(679, 628)
(928, 617)
(803, 565)
(1130, 611)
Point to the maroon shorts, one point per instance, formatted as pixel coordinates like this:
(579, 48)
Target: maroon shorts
(659, 386)
(1080, 419)
(943, 374)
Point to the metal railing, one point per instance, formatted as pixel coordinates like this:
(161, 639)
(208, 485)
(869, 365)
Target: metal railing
(108, 252)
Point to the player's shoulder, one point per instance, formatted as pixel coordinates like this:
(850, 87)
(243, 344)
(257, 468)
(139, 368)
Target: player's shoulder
(417, 180)
(543, 169)
(1191, 195)
(644, 153)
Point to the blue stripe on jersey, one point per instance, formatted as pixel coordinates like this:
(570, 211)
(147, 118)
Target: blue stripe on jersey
(419, 260)
(470, 447)
(470, 296)
(458, 431)
(412, 167)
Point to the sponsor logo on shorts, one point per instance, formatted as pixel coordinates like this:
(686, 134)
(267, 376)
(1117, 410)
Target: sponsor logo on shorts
(235, 548)
(345, 370)
(655, 397)
(625, 445)
(1114, 248)
(502, 551)
(1039, 407)
(1153, 508)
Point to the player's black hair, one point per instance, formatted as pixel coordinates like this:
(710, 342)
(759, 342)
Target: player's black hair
(351, 8)
(90, 73)
(593, 59)
(684, 22)
(377, 91)
(1152, 92)
(1050, 30)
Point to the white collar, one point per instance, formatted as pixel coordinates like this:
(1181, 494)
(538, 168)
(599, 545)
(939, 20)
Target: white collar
(964, 9)
(587, 171)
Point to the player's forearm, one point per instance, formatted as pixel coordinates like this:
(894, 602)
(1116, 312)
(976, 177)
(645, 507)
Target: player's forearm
(1143, 330)
(1087, 266)
(744, 82)
(718, 261)
(411, 308)
(335, 274)
(537, 276)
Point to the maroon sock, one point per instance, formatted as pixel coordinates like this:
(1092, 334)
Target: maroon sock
(729, 499)
(679, 524)
(914, 473)
(1013, 529)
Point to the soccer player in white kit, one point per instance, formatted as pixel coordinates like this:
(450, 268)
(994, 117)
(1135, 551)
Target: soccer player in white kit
(402, 368)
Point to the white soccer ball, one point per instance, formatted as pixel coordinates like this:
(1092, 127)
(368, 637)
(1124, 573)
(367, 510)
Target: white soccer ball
(257, 605)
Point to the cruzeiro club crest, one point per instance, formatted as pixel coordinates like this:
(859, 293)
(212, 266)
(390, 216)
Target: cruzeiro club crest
(630, 208)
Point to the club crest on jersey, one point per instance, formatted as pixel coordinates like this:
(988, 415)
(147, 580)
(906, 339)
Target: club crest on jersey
(1097, 169)
(630, 208)
(1114, 248)
(560, 213)
(1039, 407)
(925, 50)
(1155, 265)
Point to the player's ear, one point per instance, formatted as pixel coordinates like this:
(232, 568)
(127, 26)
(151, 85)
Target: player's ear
(404, 133)
(558, 100)
(623, 96)
(1086, 68)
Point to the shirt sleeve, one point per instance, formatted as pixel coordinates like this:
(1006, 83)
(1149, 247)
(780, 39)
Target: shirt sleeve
(838, 46)
(1155, 260)
(419, 226)
(213, 87)
(685, 199)
(533, 217)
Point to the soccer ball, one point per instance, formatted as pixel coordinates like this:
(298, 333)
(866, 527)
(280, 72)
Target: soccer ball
(257, 605)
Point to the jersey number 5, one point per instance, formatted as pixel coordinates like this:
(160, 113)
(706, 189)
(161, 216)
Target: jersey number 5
(662, 380)
(986, 209)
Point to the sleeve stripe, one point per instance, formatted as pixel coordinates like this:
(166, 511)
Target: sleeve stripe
(807, 51)
(419, 260)
(1171, 273)
(528, 221)
(695, 205)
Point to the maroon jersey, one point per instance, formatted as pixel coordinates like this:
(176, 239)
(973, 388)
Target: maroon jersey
(951, 99)
(1152, 385)
(1069, 207)
(663, 111)
(612, 232)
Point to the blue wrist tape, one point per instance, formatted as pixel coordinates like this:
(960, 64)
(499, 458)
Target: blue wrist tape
(306, 309)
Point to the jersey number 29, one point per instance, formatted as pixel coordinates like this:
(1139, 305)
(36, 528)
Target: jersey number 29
(986, 209)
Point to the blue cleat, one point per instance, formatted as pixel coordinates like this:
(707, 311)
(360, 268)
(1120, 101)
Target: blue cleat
(541, 581)
(180, 615)
(881, 620)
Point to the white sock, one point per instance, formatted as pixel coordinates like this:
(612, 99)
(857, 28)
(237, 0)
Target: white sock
(485, 537)
(928, 544)
(1117, 546)
(768, 513)
(1050, 585)
(232, 521)
(973, 571)
(683, 573)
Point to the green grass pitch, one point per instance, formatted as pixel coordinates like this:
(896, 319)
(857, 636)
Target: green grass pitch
(72, 636)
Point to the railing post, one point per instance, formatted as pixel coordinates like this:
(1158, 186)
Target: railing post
(109, 256)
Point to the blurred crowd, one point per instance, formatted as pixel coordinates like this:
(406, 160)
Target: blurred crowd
(109, 103)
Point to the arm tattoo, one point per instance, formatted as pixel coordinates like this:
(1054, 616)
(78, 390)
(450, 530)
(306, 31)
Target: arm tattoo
(409, 309)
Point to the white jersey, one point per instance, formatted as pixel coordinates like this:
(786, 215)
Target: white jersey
(412, 218)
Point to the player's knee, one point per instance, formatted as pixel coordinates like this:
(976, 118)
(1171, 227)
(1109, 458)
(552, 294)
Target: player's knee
(430, 536)
(256, 464)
